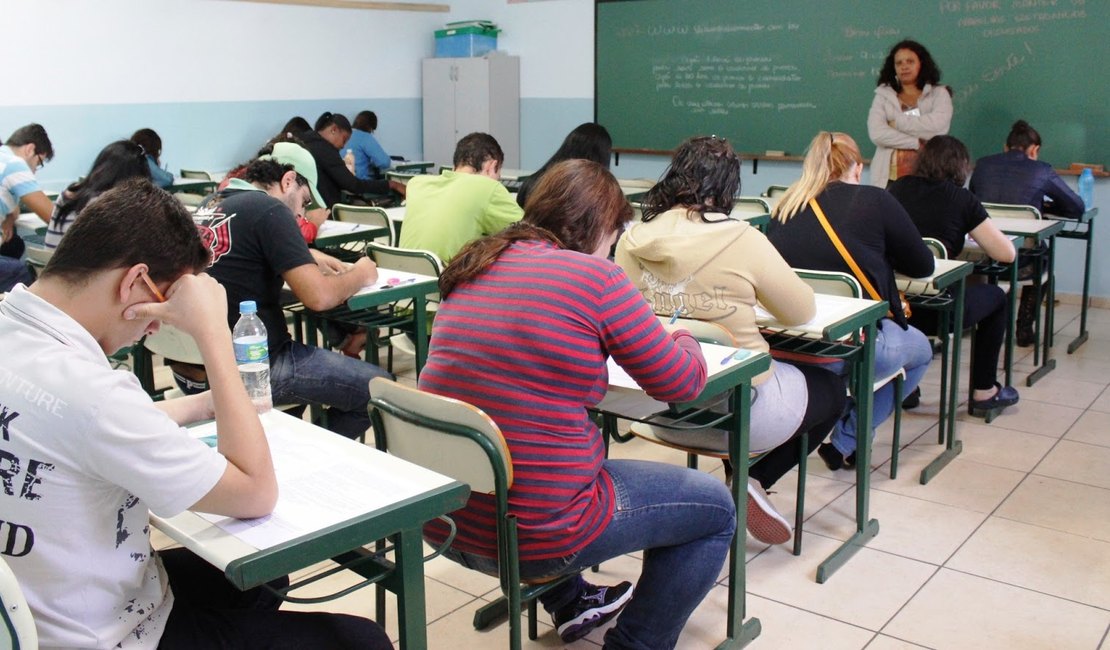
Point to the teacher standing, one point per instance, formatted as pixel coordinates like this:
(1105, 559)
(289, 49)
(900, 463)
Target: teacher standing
(909, 108)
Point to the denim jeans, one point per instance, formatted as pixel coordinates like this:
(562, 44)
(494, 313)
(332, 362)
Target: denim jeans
(13, 272)
(682, 519)
(304, 374)
(894, 348)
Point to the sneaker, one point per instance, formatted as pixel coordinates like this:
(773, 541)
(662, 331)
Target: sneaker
(1006, 396)
(913, 400)
(764, 522)
(594, 606)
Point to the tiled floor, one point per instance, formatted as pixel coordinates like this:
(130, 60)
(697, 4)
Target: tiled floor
(1009, 547)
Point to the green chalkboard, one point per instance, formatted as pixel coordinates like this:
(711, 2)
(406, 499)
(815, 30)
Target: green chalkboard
(769, 74)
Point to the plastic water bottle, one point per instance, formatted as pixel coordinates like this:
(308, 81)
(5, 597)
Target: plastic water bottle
(349, 160)
(252, 353)
(1087, 187)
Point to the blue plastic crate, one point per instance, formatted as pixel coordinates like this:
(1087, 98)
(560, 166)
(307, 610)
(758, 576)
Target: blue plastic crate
(465, 41)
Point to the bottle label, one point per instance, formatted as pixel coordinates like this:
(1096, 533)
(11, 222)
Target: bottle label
(251, 351)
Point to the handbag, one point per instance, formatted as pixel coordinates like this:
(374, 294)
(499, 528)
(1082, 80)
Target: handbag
(856, 271)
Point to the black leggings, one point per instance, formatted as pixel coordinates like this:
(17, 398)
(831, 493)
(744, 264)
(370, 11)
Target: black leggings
(985, 307)
(209, 612)
(827, 397)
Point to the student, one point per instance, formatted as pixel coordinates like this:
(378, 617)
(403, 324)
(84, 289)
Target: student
(371, 160)
(688, 250)
(296, 126)
(587, 141)
(116, 163)
(941, 208)
(151, 143)
(552, 309)
(881, 238)
(26, 151)
(98, 456)
(251, 228)
(445, 212)
(1015, 176)
(331, 134)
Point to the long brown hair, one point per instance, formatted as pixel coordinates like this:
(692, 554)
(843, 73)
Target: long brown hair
(575, 206)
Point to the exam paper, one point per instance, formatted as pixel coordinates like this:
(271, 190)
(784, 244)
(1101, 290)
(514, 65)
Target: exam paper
(389, 278)
(317, 490)
(714, 357)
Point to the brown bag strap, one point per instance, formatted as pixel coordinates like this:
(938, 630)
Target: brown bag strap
(844, 251)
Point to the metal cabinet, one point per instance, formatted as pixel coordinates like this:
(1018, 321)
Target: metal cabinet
(471, 94)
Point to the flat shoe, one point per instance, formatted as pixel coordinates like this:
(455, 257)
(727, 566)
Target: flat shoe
(1006, 396)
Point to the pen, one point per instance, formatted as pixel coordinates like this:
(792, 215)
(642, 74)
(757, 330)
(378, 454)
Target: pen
(395, 282)
(677, 313)
(738, 355)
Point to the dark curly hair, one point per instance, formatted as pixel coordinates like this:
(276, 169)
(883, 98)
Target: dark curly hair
(930, 73)
(703, 176)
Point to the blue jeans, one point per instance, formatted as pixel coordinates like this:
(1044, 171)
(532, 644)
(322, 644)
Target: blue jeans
(894, 348)
(304, 374)
(682, 519)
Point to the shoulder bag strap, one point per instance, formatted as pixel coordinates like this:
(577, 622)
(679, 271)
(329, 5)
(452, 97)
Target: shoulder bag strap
(844, 251)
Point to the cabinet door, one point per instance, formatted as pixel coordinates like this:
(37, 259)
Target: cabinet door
(438, 83)
(472, 96)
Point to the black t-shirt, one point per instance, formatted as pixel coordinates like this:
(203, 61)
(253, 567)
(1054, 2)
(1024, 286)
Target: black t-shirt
(254, 239)
(332, 175)
(940, 209)
(873, 226)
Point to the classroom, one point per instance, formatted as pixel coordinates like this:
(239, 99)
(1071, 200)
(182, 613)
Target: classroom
(1008, 546)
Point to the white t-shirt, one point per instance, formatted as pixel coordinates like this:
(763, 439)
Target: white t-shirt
(84, 458)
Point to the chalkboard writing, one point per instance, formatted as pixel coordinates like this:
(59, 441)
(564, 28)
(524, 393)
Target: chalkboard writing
(769, 75)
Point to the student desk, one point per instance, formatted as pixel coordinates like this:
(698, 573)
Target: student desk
(29, 223)
(1036, 232)
(843, 328)
(332, 234)
(393, 286)
(426, 495)
(933, 292)
(632, 403)
(992, 270)
(192, 185)
(1083, 229)
(396, 216)
(412, 166)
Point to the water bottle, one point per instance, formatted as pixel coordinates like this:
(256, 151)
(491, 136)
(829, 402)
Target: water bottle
(252, 353)
(349, 160)
(1087, 187)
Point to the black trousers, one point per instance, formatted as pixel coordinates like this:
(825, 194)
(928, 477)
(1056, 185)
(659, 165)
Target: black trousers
(827, 395)
(985, 307)
(209, 612)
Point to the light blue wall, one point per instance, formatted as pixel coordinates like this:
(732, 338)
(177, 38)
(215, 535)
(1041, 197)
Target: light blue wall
(204, 135)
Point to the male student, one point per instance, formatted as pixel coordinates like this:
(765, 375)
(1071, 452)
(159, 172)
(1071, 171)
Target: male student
(251, 228)
(25, 152)
(86, 455)
(446, 212)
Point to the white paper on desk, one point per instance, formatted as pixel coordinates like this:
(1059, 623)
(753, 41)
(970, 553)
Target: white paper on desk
(714, 355)
(339, 227)
(317, 490)
(830, 309)
(389, 278)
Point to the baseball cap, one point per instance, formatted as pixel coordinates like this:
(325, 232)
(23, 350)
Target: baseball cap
(288, 153)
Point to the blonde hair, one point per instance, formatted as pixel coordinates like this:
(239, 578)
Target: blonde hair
(829, 156)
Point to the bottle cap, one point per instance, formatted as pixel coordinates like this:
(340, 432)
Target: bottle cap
(248, 307)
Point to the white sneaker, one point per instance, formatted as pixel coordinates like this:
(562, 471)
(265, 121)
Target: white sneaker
(764, 522)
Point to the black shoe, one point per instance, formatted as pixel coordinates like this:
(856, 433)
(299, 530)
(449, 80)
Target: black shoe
(1006, 396)
(831, 455)
(913, 400)
(850, 461)
(594, 606)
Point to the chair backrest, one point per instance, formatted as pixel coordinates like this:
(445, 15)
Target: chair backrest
(747, 205)
(365, 214)
(196, 173)
(442, 434)
(17, 628)
(38, 256)
(171, 343)
(1012, 211)
(703, 330)
(637, 211)
(836, 283)
(937, 248)
(410, 260)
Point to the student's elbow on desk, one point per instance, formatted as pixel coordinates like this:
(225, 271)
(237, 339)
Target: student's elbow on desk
(240, 495)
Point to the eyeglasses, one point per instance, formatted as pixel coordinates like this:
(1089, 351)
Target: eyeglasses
(153, 287)
(40, 161)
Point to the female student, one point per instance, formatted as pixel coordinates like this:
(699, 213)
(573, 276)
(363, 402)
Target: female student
(941, 208)
(909, 108)
(880, 237)
(587, 141)
(528, 318)
(688, 255)
(371, 160)
(151, 143)
(120, 161)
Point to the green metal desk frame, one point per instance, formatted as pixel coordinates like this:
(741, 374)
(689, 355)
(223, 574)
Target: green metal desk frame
(739, 376)
(1087, 234)
(951, 311)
